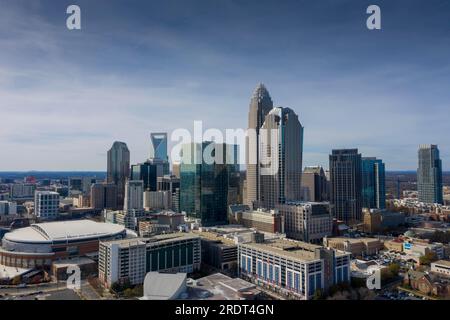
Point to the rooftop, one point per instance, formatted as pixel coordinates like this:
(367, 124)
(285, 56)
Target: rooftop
(214, 237)
(11, 272)
(443, 262)
(63, 230)
(353, 240)
(77, 261)
(288, 248)
(47, 192)
(163, 286)
(221, 287)
(161, 238)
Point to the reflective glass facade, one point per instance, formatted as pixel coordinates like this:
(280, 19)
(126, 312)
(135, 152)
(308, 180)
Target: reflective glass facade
(203, 185)
(373, 183)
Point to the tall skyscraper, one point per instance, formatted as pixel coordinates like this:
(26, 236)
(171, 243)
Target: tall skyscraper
(204, 184)
(159, 146)
(373, 183)
(345, 183)
(429, 174)
(260, 105)
(281, 149)
(118, 168)
(314, 184)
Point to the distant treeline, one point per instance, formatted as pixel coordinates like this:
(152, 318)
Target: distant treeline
(52, 174)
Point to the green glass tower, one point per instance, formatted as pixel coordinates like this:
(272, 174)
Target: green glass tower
(204, 181)
(373, 183)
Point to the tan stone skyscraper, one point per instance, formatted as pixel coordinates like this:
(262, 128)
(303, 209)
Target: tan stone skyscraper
(281, 155)
(260, 106)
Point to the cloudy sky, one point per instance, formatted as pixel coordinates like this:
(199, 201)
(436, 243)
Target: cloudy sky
(142, 66)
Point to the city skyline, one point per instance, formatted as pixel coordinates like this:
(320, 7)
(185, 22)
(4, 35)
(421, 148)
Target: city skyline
(65, 98)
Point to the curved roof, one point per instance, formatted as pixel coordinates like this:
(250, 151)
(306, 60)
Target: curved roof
(63, 231)
(163, 286)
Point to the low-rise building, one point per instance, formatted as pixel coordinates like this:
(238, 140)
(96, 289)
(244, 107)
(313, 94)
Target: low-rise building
(61, 269)
(218, 251)
(418, 248)
(376, 220)
(441, 267)
(307, 221)
(270, 221)
(356, 246)
(131, 259)
(8, 208)
(427, 283)
(292, 268)
(395, 245)
(152, 227)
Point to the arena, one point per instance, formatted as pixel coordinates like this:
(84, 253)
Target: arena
(40, 244)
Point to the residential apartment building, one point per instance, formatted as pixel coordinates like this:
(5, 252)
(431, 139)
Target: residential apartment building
(122, 260)
(46, 205)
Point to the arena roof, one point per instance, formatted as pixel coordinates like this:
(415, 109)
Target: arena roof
(164, 286)
(63, 231)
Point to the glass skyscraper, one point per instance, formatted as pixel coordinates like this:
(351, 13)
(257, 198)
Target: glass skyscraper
(373, 183)
(146, 172)
(159, 146)
(345, 182)
(118, 168)
(204, 183)
(429, 174)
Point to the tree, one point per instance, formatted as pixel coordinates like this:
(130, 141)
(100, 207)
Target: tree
(394, 268)
(318, 295)
(427, 258)
(440, 236)
(16, 280)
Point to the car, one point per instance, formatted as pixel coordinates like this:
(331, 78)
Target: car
(22, 285)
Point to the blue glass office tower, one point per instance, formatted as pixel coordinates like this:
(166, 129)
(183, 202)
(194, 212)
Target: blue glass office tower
(204, 183)
(373, 183)
(159, 146)
(429, 174)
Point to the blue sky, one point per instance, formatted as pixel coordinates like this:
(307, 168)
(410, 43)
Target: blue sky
(142, 66)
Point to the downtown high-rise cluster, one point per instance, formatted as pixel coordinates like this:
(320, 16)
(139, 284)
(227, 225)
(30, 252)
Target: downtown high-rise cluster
(274, 173)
